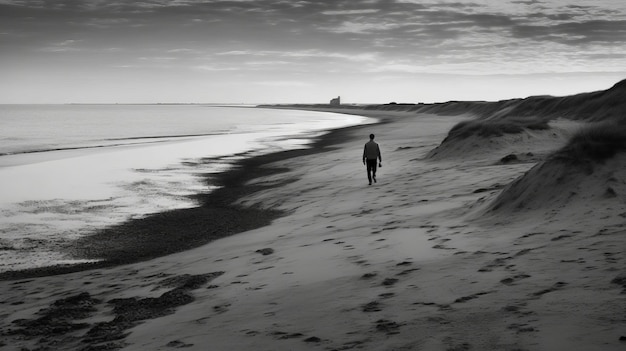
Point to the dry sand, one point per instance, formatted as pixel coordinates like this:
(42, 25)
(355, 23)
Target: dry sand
(460, 251)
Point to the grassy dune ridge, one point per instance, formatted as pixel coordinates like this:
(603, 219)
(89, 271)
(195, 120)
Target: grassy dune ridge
(597, 142)
(602, 138)
(592, 106)
(495, 128)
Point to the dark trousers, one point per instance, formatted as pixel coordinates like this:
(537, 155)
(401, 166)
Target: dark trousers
(371, 169)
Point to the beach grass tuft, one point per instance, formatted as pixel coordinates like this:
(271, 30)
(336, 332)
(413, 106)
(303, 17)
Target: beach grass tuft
(491, 128)
(594, 143)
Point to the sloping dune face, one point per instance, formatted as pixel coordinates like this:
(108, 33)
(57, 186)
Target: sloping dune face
(493, 140)
(525, 127)
(590, 169)
(574, 147)
(596, 106)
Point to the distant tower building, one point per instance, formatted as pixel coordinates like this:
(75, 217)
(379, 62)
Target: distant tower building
(336, 101)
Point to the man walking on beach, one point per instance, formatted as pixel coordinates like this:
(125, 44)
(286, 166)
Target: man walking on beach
(371, 152)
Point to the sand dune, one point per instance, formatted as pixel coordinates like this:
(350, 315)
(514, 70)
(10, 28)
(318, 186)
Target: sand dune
(554, 184)
(589, 169)
(518, 144)
(593, 106)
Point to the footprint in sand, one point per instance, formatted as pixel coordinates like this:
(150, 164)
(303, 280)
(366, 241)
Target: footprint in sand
(388, 327)
(389, 281)
(471, 297)
(373, 306)
(530, 234)
(260, 287)
(408, 271)
(265, 251)
(517, 308)
(561, 237)
(284, 336)
(356, 344)
(359, 260)
(178, 344)
(512, 280)
(498, 262)
(555, 287)
(620, 280)
(442, 247)
(406, 264)
(219, 309)
(313, 339)
(441, 307)
(362, 263)
(521, 328)
(386, 295)
(609, 257)
(368, 276)
(524, 252)
(460, 347)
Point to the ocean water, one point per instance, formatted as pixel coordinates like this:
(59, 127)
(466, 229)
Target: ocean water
(69, 170)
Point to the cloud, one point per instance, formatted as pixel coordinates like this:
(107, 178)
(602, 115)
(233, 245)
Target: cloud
(527, 2)
(575, 33)
(350, 12)
(283, 83)
(268, 63)
(158, 58)
(313, 53)
(62, 46)
(214, 68)
(362, 27)
(241, 52)
(105, 23)
(317, 37)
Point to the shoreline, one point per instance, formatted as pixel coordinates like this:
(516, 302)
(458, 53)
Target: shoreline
(179, 230)
(414, 262)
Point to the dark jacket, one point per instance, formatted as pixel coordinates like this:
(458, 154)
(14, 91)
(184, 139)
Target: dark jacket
(371, 151)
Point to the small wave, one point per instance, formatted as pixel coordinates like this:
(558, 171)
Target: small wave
(170, 136)
(58, 206)
(113, 142)
(68, 148)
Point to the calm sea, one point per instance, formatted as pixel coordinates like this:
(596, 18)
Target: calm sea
(69, 170)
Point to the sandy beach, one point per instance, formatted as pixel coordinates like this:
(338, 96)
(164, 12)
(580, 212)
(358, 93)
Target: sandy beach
(458, 246)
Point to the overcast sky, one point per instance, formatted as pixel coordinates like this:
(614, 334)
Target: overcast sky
(272, 51)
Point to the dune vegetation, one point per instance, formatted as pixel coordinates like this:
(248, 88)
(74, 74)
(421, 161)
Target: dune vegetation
(491, 128)
(597, 143)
